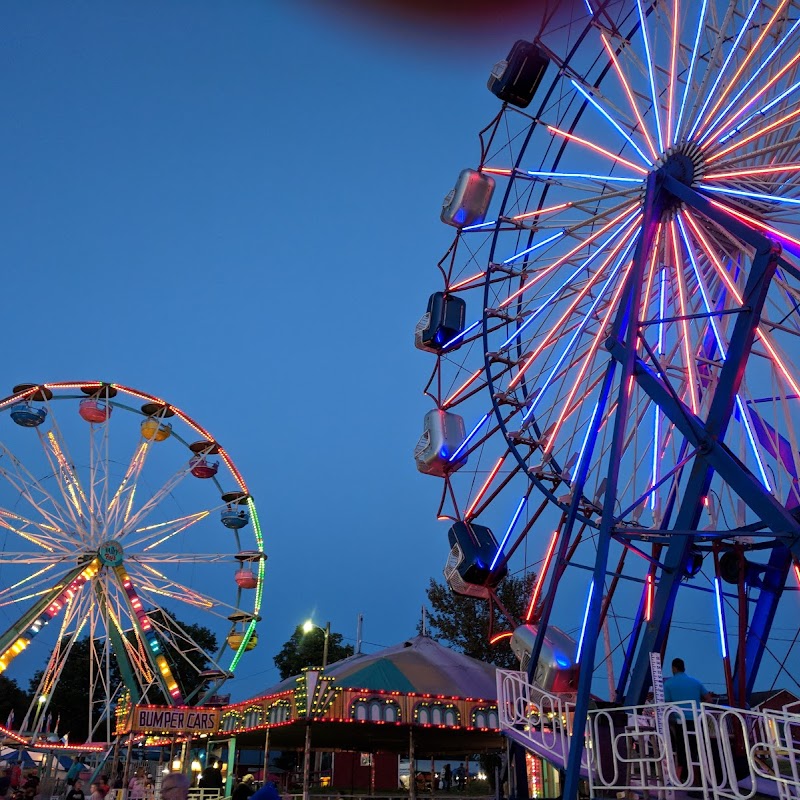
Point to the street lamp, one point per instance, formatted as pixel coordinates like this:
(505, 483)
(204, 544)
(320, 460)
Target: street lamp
(309, 626)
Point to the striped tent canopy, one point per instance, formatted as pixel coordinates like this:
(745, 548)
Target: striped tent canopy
(414, 666)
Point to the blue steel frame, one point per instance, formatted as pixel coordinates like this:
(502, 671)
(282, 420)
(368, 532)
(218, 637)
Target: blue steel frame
(711, 456)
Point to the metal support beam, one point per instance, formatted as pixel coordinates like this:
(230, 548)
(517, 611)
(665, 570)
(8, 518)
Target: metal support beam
(626, 324)
(773, 582)
(708, 437)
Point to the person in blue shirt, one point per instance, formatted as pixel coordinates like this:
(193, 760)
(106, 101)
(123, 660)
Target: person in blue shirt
(682, 689)
(269, 791)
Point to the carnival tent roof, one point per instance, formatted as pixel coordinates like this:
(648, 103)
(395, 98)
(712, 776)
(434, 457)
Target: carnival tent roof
(418, 665)
(415, 666)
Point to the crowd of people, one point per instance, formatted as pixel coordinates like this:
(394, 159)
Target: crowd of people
(141, 786)
(16, 786)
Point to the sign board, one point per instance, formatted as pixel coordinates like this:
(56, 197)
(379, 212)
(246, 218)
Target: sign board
(164, 719)
(658, 689)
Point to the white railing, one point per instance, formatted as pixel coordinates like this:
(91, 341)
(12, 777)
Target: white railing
(730, 754)
(542, 721)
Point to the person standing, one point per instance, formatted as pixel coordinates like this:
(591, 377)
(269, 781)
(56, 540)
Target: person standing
(211, 777)
(448, 777)
(460, 777)
(76, 792)
(103, 786)
(137, 785)
(682, 690)
(269, 791)
(244, 789)
(5, 782)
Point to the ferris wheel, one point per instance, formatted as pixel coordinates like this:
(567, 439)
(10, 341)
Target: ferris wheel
(126, 525)
(616, 344)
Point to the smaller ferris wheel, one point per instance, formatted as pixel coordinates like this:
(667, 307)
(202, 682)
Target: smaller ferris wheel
(124, 523)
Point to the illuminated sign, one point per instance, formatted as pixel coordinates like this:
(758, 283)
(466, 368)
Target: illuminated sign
(164, 719)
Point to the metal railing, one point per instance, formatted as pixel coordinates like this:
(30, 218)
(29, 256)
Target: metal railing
(720, 752)
(542, 720)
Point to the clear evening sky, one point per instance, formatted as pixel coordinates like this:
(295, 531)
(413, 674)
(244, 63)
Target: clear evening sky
(234, 206)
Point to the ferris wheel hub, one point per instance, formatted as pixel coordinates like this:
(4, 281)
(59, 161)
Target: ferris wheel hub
(685, 163)
(110, 553)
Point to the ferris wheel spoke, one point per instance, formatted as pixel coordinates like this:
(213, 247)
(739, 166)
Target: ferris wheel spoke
(73, 623)
(690, 74)
(654, 94)
(182, 641)
(723, 121)
(155, 584)
(47, 537)
(70, 489)
(484, 497)
(778, 360)
(137, 517)
(181, 558)
(57, 452)
(160, 532)
(574, 180)
(728, 131)
(145, 633)
(775, 51)
(588, 96)
(610, 279)
(614, 158)
(629, 94)
(704, 118)
(122, 501)
(723, 34)
(568, 406)
(769, 123)
(38, 584)
(626, 222)
(565, 286)
(28, 487)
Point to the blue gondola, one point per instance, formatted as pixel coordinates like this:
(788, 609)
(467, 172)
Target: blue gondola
(28, 416)
(234, 518)
(473, 566)
(441, 323)
(516, 78)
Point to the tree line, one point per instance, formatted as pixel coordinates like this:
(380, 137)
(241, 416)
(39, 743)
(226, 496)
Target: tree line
(462, 623)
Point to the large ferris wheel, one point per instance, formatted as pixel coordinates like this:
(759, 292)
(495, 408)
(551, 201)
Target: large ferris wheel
(119, 515)
(616, 343)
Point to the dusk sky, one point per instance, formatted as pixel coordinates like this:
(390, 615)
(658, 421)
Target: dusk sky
(234, 206)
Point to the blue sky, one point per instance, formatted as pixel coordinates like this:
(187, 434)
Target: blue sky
(234, 206)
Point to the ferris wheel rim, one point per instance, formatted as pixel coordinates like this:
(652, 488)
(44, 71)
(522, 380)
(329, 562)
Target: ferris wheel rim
(152, 582)
(686, 228)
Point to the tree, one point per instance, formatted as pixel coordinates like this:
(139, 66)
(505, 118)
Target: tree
(12, 698)
(70, 696)
(184, 658)
(306, 650)
(463, 622)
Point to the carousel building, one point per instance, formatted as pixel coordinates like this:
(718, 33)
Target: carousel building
(362, 715)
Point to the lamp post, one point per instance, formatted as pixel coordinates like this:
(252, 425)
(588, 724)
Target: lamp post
(309, 626)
